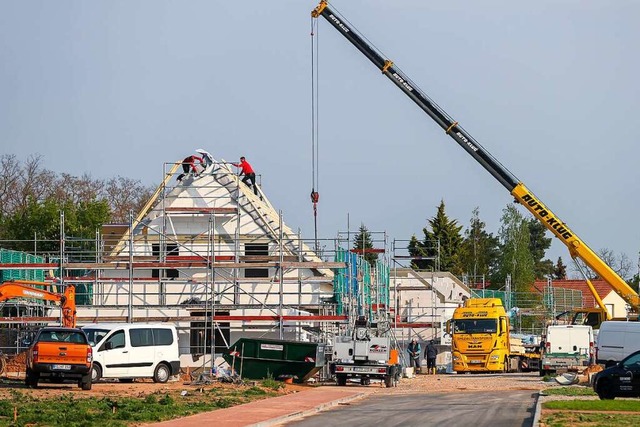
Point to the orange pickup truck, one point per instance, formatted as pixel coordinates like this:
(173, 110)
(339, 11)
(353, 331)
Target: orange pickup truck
(59, 354)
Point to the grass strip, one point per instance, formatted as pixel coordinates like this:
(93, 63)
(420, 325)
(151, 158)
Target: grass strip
(572, 419)
(119, 411)
(570, 391)
(594, 405)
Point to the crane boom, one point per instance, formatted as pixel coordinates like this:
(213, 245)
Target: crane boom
(577, 248)
(20, 289)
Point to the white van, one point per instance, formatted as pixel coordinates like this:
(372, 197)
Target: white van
(127, 351)
(617, 340)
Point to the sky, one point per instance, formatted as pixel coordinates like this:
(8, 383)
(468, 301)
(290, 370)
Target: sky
(549, 88)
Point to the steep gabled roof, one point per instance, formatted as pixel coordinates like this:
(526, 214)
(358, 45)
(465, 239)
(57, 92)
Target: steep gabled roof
(217, 190)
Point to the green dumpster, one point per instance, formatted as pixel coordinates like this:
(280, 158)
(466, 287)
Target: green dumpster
(279, 359)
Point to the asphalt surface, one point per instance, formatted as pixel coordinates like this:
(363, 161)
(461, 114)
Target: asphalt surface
(505, 408)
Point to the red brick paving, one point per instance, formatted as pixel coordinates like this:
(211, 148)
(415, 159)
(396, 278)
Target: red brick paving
(271, 411)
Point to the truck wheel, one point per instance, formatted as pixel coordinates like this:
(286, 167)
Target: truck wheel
(341, 380)
(31, 379)
(85, 383)
(605, 390)
(96, 373)
(162, 373)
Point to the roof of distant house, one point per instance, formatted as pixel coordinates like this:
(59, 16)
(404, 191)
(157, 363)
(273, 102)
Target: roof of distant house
(602, 288)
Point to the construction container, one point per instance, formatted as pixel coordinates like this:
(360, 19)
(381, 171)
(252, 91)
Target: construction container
(257, 358)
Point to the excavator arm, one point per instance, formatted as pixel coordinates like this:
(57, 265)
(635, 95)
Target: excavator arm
(21, 289)
(577, 248)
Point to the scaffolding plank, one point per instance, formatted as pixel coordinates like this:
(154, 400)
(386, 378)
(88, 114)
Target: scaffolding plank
(220, 318)
(202, 263)
(195, 210)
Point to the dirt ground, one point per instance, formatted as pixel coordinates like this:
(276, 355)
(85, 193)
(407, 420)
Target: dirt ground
(13, 381)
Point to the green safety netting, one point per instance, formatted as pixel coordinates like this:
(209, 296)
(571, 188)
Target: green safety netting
(360, 285)
(8, 256)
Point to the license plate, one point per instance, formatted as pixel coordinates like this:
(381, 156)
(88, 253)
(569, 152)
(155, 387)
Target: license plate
(475, 362)
(61, 367)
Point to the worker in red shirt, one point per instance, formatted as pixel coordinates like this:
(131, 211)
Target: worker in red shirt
(249, 174)
(189, 164)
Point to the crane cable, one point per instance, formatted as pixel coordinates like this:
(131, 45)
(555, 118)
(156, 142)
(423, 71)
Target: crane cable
(315, 195)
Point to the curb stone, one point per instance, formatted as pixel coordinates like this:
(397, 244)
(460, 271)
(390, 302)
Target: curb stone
(538, 409)
(295, 415)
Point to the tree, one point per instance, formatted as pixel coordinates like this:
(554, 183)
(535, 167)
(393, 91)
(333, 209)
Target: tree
(442, 244)
(32, 197)
(538, 245)
(560, 270)
(22, 183)
(362, 242)
(124, 195)
(480, 249)
(621, 264)
(78, 189)
(42, 220)
(516, 260)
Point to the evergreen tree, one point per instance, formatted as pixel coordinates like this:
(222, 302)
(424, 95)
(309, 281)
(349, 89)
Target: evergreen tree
(480, 249)
(560, 270)
(538, 245)
(442, 243)
(362, 242)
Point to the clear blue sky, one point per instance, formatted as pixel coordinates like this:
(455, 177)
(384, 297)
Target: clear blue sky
(548, 87)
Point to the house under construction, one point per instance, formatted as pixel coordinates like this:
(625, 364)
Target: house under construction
(217, 260)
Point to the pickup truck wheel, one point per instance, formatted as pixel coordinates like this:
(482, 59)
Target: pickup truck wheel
(341, 380)
(31, 379)
(162, 374)
(85, 382)
(96, 373)
(605, 390)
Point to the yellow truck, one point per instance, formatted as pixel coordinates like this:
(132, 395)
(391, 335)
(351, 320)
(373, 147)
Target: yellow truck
(481, 341)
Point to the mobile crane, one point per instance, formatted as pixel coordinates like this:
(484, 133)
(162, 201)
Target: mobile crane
(577, 248)
(22, 289)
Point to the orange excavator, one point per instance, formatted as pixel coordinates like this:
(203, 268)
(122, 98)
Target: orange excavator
(25, 289)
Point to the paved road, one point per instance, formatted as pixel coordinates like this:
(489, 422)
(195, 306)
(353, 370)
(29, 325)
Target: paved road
(506, 408)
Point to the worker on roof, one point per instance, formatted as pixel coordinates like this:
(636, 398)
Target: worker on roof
(249, 174)
(189, 166)
(207, 158)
